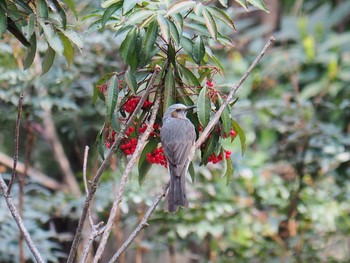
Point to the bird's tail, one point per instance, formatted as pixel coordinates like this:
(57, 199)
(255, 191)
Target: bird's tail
(177, 191)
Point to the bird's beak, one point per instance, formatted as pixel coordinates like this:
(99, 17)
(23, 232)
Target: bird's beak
(191, 107)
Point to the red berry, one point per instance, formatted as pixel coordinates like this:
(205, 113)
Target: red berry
(233, 133)
(210, 84)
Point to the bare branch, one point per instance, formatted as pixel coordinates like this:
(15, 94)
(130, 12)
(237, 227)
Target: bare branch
(58, 151)
(217, 115)
(36, 175)
(15, 155)
(118, 199)
(96, 230)
(142, 224)
(199, 141)
(104, 165)
(19, 221)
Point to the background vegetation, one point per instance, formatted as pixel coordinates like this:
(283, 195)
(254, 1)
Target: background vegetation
(288, 200)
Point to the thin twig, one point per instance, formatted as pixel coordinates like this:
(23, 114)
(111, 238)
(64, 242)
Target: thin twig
(199, 141)
(142, 224)
(104, 165)
(96, 230)
(15, 155)
(115, 208)
(19, 221)
(86, 154)
(21, 182)
(234, 88)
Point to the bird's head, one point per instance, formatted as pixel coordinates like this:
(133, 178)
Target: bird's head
(177, 111)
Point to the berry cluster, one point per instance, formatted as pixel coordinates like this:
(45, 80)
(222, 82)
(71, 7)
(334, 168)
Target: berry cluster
(104, 87)
(210, 83)
(215, 159)
(154, 133)
(110, 139)
(157, 157)
(129, 146)
(131, 104)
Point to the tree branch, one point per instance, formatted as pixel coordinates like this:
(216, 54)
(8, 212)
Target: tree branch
(104, 165)
(15, 155)
(199, 141)
(96, 230)
(19, 221)
(58, 151)
(235, 87)
(142, 224)
(118, 199)
(36, 175)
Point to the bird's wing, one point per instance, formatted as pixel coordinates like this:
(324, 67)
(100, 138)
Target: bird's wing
(177, 139)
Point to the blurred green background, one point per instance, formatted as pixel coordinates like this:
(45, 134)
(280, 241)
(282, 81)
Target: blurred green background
(289, 200)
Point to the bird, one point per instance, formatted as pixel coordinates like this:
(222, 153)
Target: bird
(178, 136)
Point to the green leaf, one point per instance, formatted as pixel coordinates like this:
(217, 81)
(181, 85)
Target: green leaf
(68, 51)
(212, 145)
(24, 5)
(150, 39)
(243, 3)
(203, 107)
(218, 63)
(29, 29)
(226, 121)
(116, 122)
(187, 44)
(74, 38)
(107, 3)
(61, 13)
(192, 172)
(184, 97)
(112, 97)
(97, 85)
(144, 165)
(229, 170)
(164, 27)
(259, 4)
(241, 135)
(128, 5)
(198, 50)
(131, 81)
(179, 7)
(190, 78)
(169, 89)
(109, 12)
(71, 6)
(178, 21)
(30, 52)
(3, 22)
(174, 33)
(128, 45)
(210, 23)
(134, 60)
(52, 37)
(42, 9)
(224, 3)
(218, 13)
(48, 60)
(139, 16)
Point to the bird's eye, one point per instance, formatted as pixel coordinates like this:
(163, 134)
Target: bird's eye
(178, 110)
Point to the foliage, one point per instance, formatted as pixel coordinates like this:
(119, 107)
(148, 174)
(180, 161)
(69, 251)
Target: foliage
(27, 21)
(289, 196)
(177, 36)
